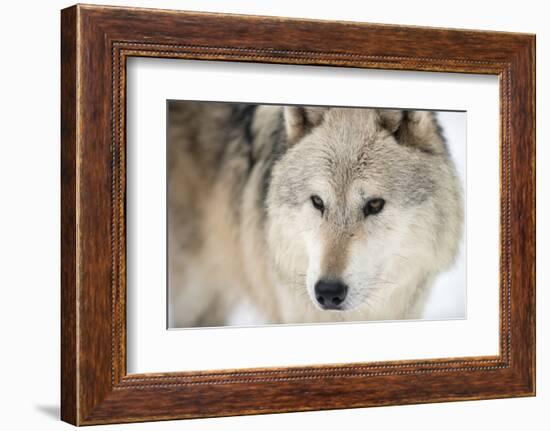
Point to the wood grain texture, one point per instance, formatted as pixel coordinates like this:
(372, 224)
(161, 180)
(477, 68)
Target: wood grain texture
(69, 368)
(96, 41)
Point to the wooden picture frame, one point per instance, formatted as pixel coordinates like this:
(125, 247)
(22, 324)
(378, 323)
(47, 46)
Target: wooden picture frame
(95, 43)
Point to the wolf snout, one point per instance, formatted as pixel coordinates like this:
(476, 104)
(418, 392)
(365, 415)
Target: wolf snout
(330, 294)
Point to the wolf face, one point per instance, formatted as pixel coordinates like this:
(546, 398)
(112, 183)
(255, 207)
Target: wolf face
(364, 208)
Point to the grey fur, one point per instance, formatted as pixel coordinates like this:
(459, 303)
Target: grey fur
(241, 225)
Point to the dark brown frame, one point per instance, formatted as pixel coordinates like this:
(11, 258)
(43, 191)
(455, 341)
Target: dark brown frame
(95, 43)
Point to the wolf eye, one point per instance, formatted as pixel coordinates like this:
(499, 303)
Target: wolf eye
(318, 203)
(373, 206)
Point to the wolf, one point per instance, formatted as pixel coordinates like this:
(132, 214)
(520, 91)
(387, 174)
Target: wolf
(306, 214)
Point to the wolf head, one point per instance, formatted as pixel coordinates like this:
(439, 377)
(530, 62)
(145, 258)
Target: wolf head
(364, 208)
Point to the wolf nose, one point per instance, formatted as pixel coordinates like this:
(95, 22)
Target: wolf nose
(330, 294)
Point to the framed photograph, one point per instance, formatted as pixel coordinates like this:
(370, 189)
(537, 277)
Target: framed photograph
(263, 214)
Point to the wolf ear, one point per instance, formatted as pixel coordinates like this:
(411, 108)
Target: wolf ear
(418, 129)
(300, 120)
